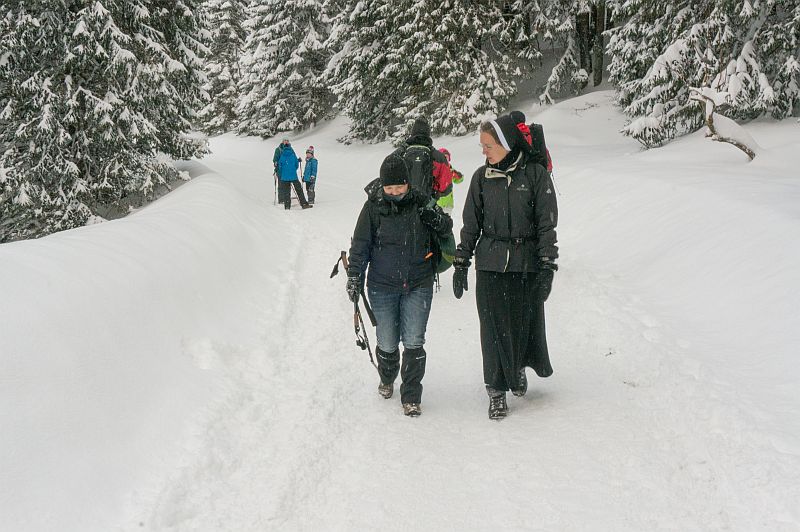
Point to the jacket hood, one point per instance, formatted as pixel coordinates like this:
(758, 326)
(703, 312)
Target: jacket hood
(421, 140)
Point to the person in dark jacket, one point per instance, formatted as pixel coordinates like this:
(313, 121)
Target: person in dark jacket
(441, 179)
(510, 218)
(287, 166)
(395, 237)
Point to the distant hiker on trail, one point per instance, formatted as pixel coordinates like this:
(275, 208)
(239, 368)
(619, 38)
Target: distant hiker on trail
(277, 155)
(428, 169)
(394, 236)
(510, 218)
(445, 200)
(310, 174)
(286, 168)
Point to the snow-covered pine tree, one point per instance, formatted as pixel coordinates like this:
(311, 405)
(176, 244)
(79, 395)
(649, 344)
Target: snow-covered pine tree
(92, 94)
(557, 23)
(340, 15)
(519, 33)
(759, 62)
(658, 99)
(356, 34)
(227, 36)
(745, 50)
(473, 84)
(635, 44)
(403, 59)
(281, 87)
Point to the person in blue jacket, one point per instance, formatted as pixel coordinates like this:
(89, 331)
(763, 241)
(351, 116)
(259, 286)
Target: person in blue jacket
(277, 154)
(287, 166)
(310, 174)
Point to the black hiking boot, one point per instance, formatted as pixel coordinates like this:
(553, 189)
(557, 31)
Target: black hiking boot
(523, 384)
(386, 390)
(412, 409)
(498, 409)
(307, 206)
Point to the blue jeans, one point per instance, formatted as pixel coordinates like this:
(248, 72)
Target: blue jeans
(401, 317)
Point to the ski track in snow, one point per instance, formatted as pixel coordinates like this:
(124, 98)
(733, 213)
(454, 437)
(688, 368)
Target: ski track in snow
(632, 432)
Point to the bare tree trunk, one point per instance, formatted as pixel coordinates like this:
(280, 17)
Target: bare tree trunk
(599, 41)
(582, 29)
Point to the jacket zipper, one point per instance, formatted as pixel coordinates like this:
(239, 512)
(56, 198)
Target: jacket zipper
(508, 215)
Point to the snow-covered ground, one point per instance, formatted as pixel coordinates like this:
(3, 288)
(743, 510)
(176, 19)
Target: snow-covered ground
(193, 367)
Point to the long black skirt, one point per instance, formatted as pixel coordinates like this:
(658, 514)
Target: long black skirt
(512, 328)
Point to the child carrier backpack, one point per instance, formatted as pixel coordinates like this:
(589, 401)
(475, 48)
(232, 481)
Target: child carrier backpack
(419, 161)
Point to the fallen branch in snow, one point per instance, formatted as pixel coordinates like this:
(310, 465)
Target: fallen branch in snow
(732, 133)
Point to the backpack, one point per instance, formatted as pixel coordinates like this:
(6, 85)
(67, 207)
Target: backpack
(446, 252)
(444, 248)
(539, 144)
(419, 161)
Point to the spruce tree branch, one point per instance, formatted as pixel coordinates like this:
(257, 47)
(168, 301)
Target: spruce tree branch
(710, 107)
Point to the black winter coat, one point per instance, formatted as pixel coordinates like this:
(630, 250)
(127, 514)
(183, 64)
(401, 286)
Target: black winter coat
(510, 218)
(393, 241)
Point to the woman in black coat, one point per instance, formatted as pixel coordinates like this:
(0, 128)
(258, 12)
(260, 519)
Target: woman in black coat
(395, 236)
(510, 216)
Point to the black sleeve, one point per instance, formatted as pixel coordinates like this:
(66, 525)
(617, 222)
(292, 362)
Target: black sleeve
(473, 214)
(361, 243)
(545, 213)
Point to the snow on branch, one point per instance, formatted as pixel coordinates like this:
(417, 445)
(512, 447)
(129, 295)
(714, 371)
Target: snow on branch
(722, 128)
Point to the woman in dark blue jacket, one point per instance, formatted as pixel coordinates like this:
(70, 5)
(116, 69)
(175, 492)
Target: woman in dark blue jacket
(395, 236)
(510, 216)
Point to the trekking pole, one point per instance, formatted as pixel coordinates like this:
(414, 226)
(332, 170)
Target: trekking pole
(367, 307)
(362, 339)
(275, 184)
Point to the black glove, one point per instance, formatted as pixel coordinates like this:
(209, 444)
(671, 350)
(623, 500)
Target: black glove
(430, 217)
(461, 264)
(544, 279)
(353, 284)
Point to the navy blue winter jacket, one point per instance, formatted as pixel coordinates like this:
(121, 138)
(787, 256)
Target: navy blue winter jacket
(391, 239)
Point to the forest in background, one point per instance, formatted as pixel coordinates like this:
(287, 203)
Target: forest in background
(98, 97)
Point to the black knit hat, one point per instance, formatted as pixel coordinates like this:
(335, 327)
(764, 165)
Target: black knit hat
(394, 171)
(421, 127)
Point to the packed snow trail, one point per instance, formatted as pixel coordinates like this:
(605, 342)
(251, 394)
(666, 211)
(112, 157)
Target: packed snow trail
(631, 433)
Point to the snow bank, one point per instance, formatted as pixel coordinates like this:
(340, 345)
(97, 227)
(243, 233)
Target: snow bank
(109, 337)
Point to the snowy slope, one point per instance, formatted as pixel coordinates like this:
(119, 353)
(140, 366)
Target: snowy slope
(192, 367)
